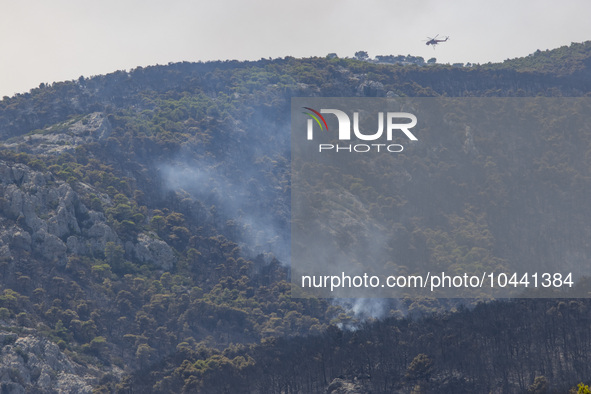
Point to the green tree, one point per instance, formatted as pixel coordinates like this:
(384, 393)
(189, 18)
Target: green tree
(420, 369)
(115, 256)
(361, 55)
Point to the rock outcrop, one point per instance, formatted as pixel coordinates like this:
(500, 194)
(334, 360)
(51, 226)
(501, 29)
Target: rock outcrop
(151, 250)
(33, 364)
(47, 218)
(64, 137)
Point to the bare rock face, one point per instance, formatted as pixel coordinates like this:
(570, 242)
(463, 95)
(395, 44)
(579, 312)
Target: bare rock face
(151, 250)
(49, 246)
(21, 240)
(49, 220)
(94, 126)
(32, 364)
(95, 238)
(64, 221)
(64, 137)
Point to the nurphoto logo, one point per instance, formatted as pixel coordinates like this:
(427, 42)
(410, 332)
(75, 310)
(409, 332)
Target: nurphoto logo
(393, 124)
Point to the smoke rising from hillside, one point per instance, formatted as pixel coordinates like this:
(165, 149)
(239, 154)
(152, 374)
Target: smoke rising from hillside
(237, 206)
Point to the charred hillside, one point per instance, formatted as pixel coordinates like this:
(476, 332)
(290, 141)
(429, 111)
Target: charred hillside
(144, 237)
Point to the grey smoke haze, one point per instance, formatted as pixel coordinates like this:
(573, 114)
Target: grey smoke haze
(205, 182)
(244, 173)
(259, 231)
(366, 308)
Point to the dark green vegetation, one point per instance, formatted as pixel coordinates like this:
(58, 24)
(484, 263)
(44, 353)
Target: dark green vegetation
(145, 218)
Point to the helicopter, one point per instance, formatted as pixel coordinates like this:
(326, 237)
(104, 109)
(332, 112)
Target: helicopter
(434, 41)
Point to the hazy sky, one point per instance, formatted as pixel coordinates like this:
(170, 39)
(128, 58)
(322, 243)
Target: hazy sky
(56, 40)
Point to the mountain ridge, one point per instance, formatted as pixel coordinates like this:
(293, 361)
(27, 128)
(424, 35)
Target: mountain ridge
(144, 230)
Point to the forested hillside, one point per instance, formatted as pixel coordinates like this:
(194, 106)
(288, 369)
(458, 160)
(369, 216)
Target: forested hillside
(144, 239)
